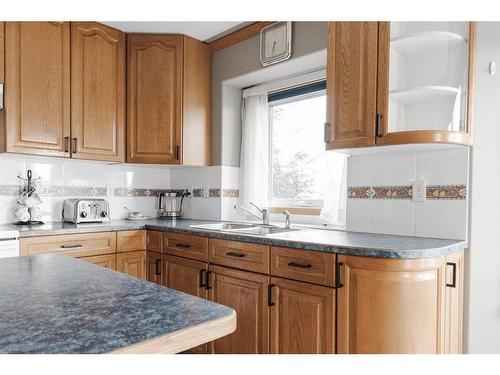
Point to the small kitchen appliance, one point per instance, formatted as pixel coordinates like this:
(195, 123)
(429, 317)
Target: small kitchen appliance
(170, 204)
(86, 211)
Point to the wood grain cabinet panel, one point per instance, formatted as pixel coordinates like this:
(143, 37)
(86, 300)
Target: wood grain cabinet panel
(97, 92)
(302, 318)
(390, 305)
(2, 52)
(154, 66)
(154, 241)
(454, 304)
(132, 263)
(188, 276)
(131, 240)
(77, 245)
(187, 246)
(246, 293)
(37, 89)
(154, 267)
(106, 261)
(168, 100)
(351, 84)
(310, 266)
(246, 256)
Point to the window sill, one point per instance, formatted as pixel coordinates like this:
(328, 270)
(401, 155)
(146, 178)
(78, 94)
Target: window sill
(307, 211)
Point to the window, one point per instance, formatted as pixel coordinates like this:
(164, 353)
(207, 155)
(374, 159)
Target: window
(297, 156)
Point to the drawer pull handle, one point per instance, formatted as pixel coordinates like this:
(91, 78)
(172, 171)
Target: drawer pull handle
(235, 255)
(158, 267)
(454, 278)
(299, 265)
(183, 245)
(71, 246)
(270, 295)
(203, 278)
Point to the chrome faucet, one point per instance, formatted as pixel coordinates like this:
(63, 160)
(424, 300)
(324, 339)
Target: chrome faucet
(264, 212)
(287, 219)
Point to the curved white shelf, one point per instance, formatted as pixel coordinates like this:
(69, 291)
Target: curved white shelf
(426, 40)
(423, 93)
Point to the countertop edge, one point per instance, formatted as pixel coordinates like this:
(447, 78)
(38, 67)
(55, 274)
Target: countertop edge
(375, 252)
(184, 339)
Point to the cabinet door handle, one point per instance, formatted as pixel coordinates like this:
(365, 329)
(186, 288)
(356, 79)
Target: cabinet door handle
(207, 282)
(203, 278)
(75, 143)
(338, 283)
(183, 245)
(158, 267)
(66, 144)
(270, 295)
(299, 265)
(454, 275)
(326, 132)
(71, 246)
(378, 125)
(177, 153)
(235, 254)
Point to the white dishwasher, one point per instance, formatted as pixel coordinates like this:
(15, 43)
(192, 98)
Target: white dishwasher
(9, 243)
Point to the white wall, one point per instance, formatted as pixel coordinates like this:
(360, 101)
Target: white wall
(437, 218)
(482, 334)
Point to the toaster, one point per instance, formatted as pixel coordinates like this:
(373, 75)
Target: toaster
(86, 211)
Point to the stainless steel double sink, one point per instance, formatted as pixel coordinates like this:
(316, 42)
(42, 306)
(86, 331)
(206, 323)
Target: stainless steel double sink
(245, 228)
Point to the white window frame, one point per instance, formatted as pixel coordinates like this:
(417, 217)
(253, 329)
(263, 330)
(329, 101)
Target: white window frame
(289, 203)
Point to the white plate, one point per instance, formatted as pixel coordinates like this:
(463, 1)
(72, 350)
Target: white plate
(139, 218)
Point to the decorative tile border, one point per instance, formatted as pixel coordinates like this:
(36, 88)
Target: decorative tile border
(93, 191)
(443, 192)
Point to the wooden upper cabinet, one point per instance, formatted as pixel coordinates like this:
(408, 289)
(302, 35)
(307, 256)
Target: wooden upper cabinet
(389, 306)
(302, 318)
(168, 100)
(425, 82)
(97, 92)
(37, 87)
(351, 84)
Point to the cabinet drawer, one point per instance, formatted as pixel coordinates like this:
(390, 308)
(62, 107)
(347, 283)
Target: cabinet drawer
(154, 241)
(247, 256)
(77, 245)
(311, 266)
(184, 245)
(131, 240)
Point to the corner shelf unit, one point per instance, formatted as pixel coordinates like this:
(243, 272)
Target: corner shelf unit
(427, 40)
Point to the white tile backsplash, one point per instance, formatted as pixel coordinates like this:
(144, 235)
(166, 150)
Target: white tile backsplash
(433, 218)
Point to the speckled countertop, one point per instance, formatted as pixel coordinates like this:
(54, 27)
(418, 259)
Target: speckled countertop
(57, 304)
(341, 242)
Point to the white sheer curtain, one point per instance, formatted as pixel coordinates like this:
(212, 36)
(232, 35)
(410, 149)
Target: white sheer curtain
(335, 194)
(254, 159)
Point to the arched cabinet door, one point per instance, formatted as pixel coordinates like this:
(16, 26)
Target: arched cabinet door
(37, 88)
(97, 92)
(155, 72)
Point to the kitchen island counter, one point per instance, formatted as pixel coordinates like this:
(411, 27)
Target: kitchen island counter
(57, 304)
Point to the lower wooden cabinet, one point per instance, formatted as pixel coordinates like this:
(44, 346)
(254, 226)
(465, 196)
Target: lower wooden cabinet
(188, 276)
(454, 304)
(302, 318)
(390, 305)
(154, 267)
(132, 263)
(106, 261)
(246, 293)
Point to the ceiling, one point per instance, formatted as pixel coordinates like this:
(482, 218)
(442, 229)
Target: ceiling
(205, 31)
